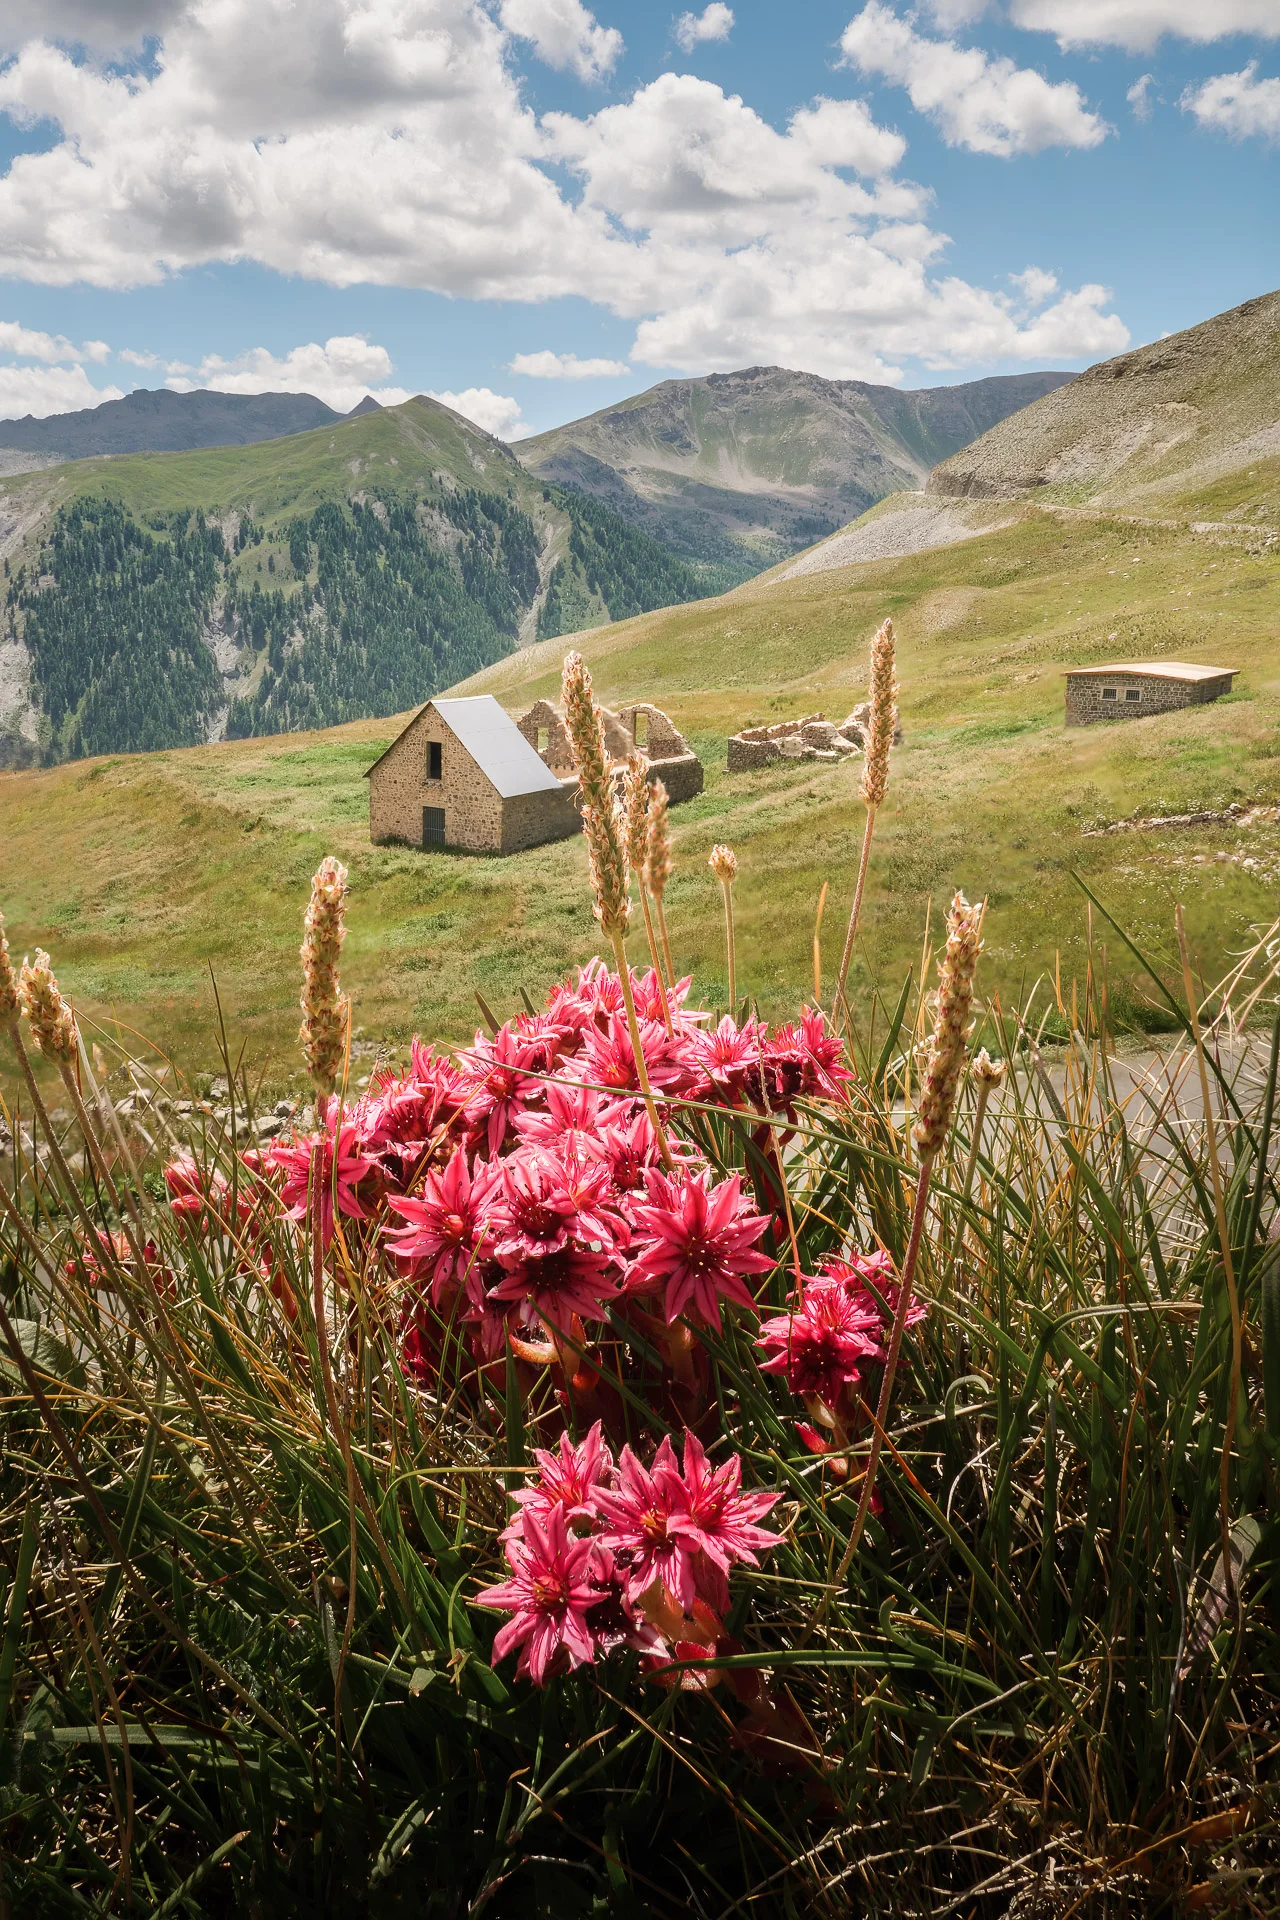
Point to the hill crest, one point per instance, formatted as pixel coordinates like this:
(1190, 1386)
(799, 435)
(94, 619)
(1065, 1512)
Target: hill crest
(1145, 426)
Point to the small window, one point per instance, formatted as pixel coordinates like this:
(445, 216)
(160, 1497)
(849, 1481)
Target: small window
(544, 739)
(433, 826)
(642, 729)
(435, 761)
(1133, 693)
(1109, 693)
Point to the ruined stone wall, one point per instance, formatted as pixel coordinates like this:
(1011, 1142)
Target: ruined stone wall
(544, 717)
(1085, 705)
(399, 790)
(670, 757)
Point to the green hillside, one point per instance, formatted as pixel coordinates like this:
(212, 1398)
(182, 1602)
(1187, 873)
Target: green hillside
(163, 600)
(150, 877)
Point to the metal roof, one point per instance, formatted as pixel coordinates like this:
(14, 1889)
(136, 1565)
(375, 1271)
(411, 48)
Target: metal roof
(1157, 670)
(497, 745)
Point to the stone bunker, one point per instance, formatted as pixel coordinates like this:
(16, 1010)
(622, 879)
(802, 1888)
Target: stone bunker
(1131, 689)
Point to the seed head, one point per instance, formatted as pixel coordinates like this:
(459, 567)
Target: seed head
(8, 981)
(636, 808)
(658, 862)
(602, 821)
(988, 1072)
(951, 1027)
(324, 1006)
(52, 1023)
(724, 864)
(883, 723)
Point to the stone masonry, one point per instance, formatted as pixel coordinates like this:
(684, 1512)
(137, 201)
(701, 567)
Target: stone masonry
(403, 789)
(1134, 690)
(813, 738)
(637, 726)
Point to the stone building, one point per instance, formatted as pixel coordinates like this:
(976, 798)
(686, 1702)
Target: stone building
(462, 774)
(637, 726)
(1133, 688)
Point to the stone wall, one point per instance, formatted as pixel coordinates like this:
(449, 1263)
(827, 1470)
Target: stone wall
(1085, 705)
(531, 819)
(399, 790)
(665, 748)
(812, 738)
(541, 718)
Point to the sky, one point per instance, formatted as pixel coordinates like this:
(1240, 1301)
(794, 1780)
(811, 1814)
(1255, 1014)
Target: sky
(532, 208)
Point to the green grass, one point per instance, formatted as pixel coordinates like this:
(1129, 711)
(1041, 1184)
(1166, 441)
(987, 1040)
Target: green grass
(149, 878)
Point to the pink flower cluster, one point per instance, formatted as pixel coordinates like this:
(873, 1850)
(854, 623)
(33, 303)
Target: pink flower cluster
(833, 1330)
(606, 1554)
(520, 1187)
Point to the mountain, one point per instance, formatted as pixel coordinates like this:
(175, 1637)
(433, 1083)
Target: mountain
(160, 600)
(162, 422)
(738, 470)
(1145, 428)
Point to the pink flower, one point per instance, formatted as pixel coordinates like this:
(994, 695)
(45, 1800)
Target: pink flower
(546, 1203)
(567, 1479)
(684, 1528)
(548, 1595)
(195, 1193)
(339, 1147)
(719, 1518)
(858, 1275)
(729, 1060)
(573, 1118)
(628, 1146)
(447, 1225)
(802, 1063)
(500, 1089)
(606, 1059)
(410, 1116)
(700, 1246)
(642, 1515)
(573, 1280)
(818, 1347)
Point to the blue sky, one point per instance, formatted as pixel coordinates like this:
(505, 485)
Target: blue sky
(476, 197)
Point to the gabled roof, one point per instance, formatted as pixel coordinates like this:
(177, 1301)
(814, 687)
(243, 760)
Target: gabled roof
(1156, 670)
(494, 742)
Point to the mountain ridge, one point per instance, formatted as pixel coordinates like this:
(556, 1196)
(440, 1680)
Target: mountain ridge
(745, 468)
(156, 420)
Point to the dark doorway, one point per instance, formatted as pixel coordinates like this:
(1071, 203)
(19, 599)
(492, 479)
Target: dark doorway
(433, 826)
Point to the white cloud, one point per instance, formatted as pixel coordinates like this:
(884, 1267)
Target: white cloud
(1035, 285)
(106, 26)
(713, 23)
(1139, 24)
(340, 373)
(1237, 103)
(985, 104)
(387, 143)
(29, 344)
(46, 390)
(564, 366)
(565, 35)
(1139, 96)
(495, 413)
